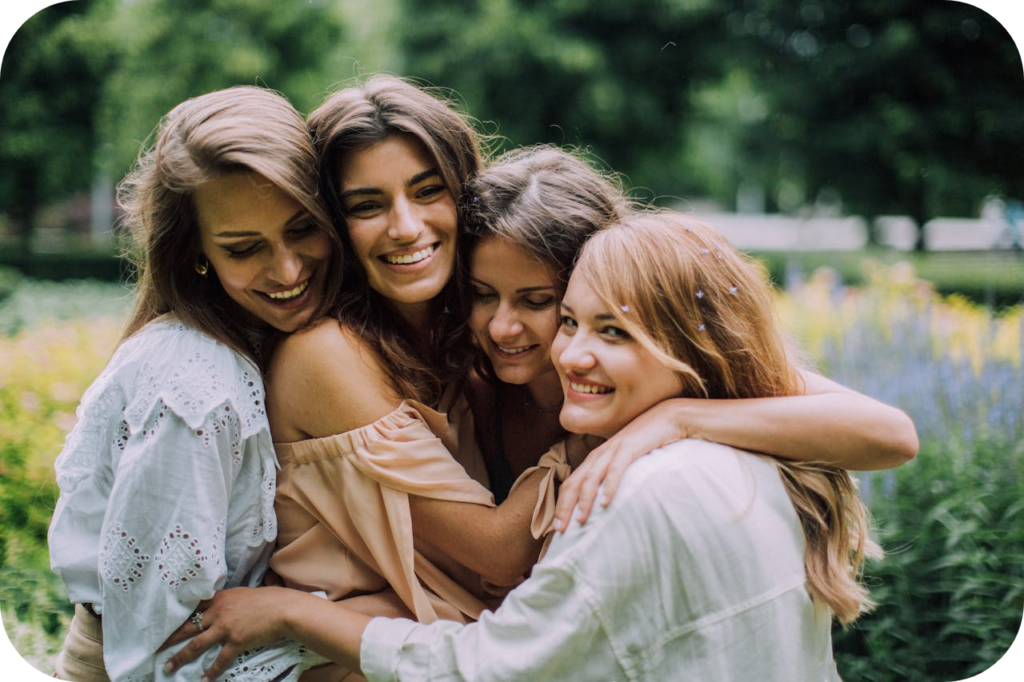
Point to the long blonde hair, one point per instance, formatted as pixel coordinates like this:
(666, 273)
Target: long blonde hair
(364, 113)
(703, 309)
(242, 128)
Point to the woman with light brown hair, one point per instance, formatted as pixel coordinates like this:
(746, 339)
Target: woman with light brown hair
(167, 479)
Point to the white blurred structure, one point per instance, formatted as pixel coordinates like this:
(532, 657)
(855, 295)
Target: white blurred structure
(774, 232)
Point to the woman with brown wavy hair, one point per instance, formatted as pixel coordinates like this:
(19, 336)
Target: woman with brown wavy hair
(166, 481)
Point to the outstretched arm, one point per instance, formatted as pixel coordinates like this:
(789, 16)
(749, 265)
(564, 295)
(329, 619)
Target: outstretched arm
(829, 423)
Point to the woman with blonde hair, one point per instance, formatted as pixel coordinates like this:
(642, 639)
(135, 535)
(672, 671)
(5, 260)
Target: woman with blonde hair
(526, 218)
(711, 563)
(167, 479)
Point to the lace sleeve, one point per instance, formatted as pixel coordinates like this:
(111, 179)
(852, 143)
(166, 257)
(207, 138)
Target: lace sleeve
(163, 541)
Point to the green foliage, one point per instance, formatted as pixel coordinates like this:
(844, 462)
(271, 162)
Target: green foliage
(49, 94)
(54, 340)
(884, 103)
(612, 76)
(951, 587)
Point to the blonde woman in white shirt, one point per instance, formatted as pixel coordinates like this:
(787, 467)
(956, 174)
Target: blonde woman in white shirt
(167, 481)
(710, 563)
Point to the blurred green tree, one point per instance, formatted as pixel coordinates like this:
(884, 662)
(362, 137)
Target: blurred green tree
(50, 86)
(909, 106)
(176, 49)
(611, 76)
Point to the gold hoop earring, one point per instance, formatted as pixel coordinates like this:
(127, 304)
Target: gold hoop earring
(202, 269)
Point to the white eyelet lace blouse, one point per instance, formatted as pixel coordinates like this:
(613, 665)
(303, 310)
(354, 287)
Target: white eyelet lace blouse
(167, 494)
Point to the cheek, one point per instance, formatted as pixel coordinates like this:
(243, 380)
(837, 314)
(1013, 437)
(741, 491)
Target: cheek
(320, 247)
(479, 319)
(362, 242)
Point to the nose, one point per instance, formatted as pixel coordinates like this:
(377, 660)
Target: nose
(576, 356)
(285, 266)
(505, 325)
(405, 226)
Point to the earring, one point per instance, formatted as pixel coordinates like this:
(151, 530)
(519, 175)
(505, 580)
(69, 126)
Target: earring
(202, 268)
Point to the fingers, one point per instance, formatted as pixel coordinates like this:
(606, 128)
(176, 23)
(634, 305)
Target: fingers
(589, 485)
(224, 660)
(193, 650)
(616, 470)
(187, 629)
(567, 496)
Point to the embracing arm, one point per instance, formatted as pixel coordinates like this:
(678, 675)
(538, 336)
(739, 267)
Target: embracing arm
(330, 364)
(495, 542)
(829, 423)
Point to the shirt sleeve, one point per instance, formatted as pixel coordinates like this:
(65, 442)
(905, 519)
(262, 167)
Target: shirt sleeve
(545, 629)
(163, 542)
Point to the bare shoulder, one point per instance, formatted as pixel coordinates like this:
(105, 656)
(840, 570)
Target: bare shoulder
(325, 380)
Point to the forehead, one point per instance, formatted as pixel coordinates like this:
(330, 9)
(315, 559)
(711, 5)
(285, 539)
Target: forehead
(242, 201)
(497, 259)
(582, 298)
(396, 158)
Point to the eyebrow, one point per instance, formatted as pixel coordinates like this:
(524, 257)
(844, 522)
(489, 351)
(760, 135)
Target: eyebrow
(299, 215)
(523, 290)
(414, 180)
(603, 317)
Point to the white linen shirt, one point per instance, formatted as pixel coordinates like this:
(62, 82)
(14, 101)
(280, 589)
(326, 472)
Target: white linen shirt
(693, 572)
(167, 495)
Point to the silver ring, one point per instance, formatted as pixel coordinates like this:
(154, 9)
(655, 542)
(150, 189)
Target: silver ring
(197, 619)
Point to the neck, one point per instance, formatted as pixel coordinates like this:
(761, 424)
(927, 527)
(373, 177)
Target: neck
(419, 318)
(546, 391)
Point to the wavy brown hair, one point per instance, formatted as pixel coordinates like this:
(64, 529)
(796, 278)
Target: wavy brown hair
(705, 310)
(359, 116)
(543, 199)
(237, 129)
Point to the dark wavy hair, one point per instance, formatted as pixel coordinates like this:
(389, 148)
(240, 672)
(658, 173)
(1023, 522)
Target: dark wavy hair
(357, 117)
(543, 199)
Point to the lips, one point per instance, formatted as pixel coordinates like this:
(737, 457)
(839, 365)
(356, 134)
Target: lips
(289, 299)
(409, 258)
(291, 293)
(512, 353)
(581, 386)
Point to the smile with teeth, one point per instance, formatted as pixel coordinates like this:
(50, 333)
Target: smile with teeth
(291, 293)
(589, 388)
(513, 351)
(409, 258)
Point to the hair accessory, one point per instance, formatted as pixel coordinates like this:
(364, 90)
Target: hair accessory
(476, 199)
(624, 308)
(733, 290)
(700, 294)
(701, 327)
(202, 268)
(704, 251)
(687, 228)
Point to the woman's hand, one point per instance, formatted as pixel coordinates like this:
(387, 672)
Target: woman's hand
(238, 619)
(607, 463)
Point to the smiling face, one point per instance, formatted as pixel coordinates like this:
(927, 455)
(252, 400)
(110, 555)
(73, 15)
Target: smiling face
(262, 246)
(401, 219)
(608, 377)
(515, 312)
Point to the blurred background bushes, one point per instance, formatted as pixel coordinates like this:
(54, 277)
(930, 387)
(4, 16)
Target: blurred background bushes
(829, 108)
